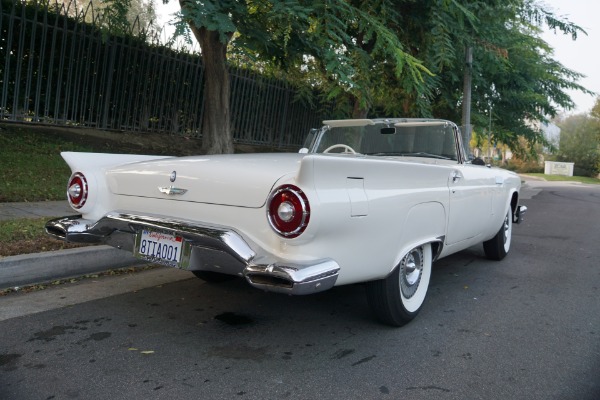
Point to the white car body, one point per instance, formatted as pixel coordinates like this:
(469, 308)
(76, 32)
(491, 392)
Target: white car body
(365, 212)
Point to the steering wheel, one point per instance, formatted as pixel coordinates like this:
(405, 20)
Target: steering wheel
(347, 149)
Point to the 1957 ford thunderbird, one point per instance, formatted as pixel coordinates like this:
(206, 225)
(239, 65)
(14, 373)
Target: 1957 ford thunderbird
(374, 201)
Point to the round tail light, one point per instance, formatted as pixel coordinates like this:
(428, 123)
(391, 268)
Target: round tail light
(288, 211)
(77, 190)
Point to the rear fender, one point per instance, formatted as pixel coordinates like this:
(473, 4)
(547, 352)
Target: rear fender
(425, 223)
(93, 166)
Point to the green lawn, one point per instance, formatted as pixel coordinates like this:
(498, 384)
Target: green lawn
(582, 179)
(22, 229)
(31, 168)
(27, 235)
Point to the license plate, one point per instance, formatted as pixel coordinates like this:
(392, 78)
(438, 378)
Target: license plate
(159, 247)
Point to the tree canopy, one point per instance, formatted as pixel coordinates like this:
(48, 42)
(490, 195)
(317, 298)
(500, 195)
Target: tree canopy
(516, 81)
(580, 141)
(391, 58)
(338, 39)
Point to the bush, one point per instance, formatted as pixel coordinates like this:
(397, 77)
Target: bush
(582, 171)
(524, 166)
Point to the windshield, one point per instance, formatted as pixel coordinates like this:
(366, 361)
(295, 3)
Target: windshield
(433, 139)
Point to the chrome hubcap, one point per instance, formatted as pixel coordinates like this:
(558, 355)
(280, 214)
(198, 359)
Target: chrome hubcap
(507, 231)
(411, 270)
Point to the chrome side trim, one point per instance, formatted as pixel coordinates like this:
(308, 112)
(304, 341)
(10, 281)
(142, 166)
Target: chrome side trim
(212, 248)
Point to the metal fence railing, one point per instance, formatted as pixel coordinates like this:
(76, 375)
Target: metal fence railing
(59, 69)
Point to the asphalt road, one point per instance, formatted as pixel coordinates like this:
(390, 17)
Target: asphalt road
(527, 327)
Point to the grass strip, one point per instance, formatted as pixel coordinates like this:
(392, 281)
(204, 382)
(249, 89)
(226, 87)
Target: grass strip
(27, 235)
(561, 178)
(31, 166)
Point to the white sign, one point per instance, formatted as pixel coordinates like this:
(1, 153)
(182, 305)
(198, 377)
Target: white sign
(558, 168)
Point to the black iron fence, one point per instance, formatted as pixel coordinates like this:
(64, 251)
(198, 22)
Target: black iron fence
(58, 69)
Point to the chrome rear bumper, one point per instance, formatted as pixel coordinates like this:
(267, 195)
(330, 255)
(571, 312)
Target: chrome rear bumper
(206, 248)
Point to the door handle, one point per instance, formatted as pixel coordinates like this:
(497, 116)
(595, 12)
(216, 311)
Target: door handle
(456, 176)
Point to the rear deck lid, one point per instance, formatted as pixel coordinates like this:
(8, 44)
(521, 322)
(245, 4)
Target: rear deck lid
(243, 180)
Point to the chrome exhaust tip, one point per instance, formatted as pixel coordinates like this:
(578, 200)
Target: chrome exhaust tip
(258, 280)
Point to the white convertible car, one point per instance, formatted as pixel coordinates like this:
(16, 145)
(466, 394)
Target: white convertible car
(374, 201)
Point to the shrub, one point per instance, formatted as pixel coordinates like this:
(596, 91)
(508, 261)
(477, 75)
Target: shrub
(524, 166)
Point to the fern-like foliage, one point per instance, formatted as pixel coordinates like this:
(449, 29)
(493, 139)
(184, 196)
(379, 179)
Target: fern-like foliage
(404, 57)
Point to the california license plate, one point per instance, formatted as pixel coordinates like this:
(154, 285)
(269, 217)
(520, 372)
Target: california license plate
(159, 247)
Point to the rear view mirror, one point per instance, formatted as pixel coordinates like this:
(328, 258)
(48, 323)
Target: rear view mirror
(388, 131)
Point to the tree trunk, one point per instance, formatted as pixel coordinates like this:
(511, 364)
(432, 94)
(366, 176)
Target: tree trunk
(216, 124)
(359, 112)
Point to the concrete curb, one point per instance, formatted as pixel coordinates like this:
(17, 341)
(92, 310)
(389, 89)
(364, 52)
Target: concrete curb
(27, 269)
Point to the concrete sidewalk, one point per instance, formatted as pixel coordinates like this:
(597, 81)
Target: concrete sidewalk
(35, 209)
(27, 269)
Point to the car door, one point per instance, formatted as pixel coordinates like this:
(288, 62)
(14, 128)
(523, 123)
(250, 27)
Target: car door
(471, 190)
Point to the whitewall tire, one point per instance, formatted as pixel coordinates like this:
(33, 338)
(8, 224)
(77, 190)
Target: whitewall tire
(398, 298)
(497, 247)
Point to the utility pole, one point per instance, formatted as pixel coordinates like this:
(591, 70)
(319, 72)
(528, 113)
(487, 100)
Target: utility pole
(466, 112)
(490, 132)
